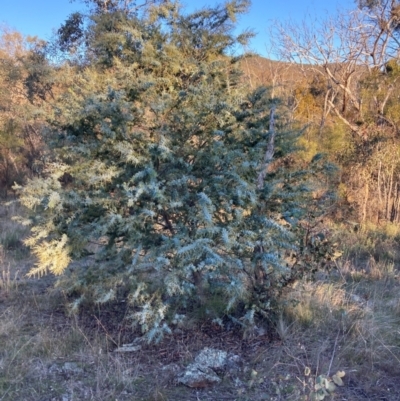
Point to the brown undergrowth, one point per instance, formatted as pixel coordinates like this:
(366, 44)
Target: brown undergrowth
(346, 321)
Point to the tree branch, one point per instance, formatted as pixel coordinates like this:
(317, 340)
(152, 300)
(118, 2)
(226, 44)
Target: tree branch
(269, 154)
(353, 127)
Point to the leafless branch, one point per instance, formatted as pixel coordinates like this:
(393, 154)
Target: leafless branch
(269, 154)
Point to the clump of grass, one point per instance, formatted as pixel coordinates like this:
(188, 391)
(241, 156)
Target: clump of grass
(319, 305)
(43, 355)
(11, 240)
(8, 280)
(379, 242)
(12, 233)
(349, 321)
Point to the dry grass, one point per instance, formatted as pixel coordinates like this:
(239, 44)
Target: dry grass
(348, 321)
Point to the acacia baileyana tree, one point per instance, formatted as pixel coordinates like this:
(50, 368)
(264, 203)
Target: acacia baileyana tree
(157, 157)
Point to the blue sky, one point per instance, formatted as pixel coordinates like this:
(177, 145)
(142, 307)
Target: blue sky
(41, 17)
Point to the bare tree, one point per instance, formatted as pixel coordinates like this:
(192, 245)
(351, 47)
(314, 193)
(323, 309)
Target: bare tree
(343, 50)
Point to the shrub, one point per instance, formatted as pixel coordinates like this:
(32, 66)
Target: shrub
(157, 155)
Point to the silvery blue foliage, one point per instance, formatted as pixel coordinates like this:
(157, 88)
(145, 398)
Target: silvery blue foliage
(163, 165)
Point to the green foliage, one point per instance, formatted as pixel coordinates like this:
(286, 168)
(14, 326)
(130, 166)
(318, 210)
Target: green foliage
(71, 32)
(157, 151)
(324, 385)
(39, 80)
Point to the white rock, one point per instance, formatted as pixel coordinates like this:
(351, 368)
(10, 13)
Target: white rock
(201, 374)
(198, 377)
(211, 358)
